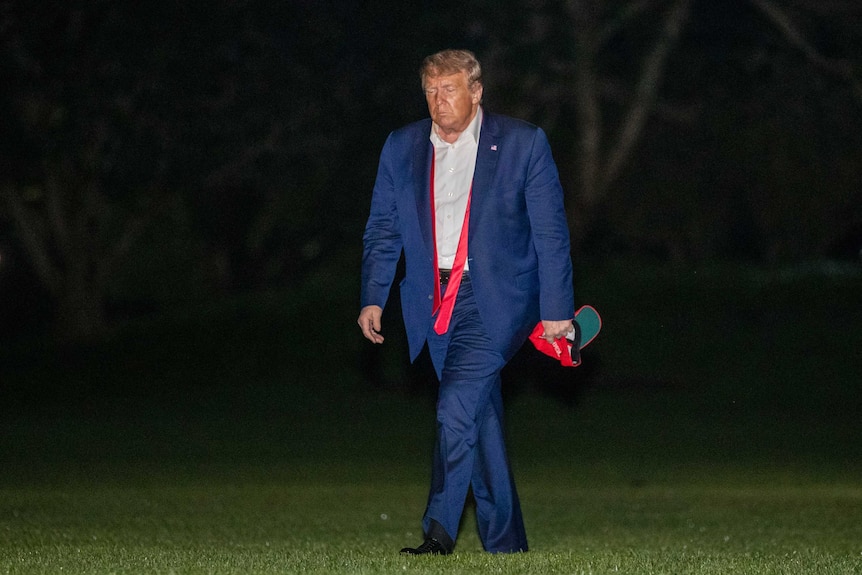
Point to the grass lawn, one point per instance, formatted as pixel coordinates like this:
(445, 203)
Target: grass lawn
(713, 429)
(284, 525)
(247, 519)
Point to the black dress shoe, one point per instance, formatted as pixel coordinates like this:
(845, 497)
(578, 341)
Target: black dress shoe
(429, 547)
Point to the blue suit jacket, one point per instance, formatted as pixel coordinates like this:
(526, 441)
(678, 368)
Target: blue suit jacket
(518, 250)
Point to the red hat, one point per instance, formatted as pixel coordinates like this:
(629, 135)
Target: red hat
(563, 349)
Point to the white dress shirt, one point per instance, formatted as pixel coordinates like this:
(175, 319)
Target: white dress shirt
(454, 165)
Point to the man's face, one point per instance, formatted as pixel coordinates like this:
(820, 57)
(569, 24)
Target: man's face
(451, 103)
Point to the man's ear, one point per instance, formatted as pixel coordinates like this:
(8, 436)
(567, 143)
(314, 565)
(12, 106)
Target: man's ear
(477, 93)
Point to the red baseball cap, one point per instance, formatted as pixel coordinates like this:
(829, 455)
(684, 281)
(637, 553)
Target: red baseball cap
(562, 349)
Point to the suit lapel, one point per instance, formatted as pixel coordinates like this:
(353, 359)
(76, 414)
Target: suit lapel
(422, 157)
(486, 167)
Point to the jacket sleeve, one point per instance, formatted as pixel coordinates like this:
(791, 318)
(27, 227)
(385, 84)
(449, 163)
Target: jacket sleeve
(546, 210)
(382, 241)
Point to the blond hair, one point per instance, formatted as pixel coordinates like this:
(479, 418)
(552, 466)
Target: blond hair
(451, 62)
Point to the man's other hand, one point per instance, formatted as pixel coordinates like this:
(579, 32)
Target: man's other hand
(369, 321)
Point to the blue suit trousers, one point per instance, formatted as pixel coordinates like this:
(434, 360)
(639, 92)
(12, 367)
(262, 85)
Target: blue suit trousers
(470, 450)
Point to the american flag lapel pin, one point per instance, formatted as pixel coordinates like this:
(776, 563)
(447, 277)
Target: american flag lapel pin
(494, 147)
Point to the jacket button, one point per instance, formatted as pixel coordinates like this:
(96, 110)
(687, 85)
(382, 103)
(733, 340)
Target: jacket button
(431, 296)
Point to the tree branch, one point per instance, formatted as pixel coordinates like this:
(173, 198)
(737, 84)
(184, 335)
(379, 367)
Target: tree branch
(33, 241)
(585, 85)
(646, 91)
(629, 12)
(840, 68)
(233, 170)
(54, 209)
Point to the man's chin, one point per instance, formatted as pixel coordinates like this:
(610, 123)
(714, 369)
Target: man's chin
(445, 126)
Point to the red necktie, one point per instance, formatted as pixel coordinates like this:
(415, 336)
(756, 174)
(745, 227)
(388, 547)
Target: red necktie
(441, 325)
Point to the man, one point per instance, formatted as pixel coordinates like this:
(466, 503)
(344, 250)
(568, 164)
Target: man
(483, 266)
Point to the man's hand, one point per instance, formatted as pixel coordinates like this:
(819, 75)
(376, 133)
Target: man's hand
(556, 329)
(369, 321)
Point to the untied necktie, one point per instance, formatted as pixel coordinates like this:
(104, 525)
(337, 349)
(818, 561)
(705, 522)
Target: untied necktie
(445, 306)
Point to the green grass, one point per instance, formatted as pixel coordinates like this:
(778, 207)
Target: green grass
(294, 527)
(713, 429)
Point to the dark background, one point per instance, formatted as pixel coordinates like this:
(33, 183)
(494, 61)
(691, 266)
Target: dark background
(158, 155)
(183, 190)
